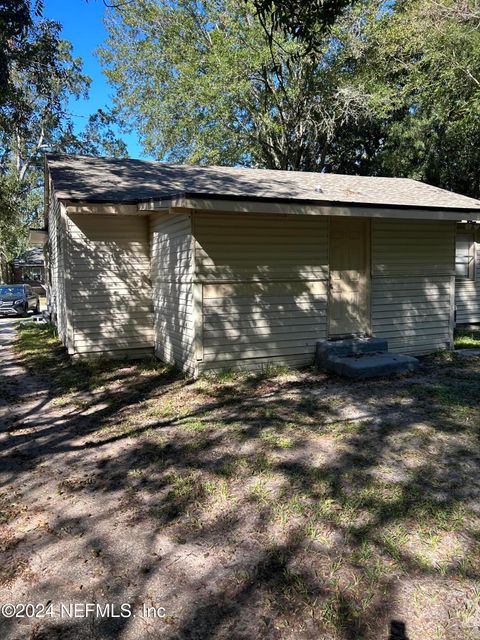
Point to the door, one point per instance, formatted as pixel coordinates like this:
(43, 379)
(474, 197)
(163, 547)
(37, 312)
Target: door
(349, 304)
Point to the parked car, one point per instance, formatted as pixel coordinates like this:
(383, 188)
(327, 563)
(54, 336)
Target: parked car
(18, 300)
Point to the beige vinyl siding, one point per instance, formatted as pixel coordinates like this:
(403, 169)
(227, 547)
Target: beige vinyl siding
(108, 280)
(263, 283)
(57, 293)
(172, 270)
(467, 292)
(412, 284)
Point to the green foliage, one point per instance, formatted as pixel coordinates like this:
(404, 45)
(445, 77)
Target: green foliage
(9, 227)
(467, 339)
(96, 138)
(422, 62)
(202, 83)
(15, 20)
(392, 88)
(31, 121)
(42, 77)
(304, 21)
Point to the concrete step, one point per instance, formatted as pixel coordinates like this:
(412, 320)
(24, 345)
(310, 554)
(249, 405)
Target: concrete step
(349, 347)
(361, 358)
(370, 365)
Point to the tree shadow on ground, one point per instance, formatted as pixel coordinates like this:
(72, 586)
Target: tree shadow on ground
(292, 506)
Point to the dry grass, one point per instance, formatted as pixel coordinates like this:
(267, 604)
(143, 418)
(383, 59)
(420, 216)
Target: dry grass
(360, 502)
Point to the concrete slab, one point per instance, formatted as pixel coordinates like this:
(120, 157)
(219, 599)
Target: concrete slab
(363, 367)
(341, 348)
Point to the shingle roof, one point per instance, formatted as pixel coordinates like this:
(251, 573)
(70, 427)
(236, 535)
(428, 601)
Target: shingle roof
(115, 180)
(30, 257)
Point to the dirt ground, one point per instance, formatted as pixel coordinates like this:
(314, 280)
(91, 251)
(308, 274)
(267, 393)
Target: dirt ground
(287, 505)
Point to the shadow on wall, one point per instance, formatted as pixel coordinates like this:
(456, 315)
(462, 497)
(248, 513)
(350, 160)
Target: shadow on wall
(263, 283)
(172, 289)
(109, 282)
(265, 291)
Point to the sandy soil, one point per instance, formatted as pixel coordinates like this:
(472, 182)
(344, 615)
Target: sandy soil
(297, 507)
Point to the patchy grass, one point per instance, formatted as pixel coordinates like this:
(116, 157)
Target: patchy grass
(40, 349)
(321, 509)
(467, 339)
(39, 345)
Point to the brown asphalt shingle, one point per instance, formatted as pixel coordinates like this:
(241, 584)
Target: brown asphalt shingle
(123, 180)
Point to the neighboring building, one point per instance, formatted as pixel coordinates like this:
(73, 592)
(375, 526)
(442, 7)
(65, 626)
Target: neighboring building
(214, 267)
(467, 269)
(29, 268)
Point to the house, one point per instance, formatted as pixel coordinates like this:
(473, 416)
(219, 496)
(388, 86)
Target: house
(215, 267)
(29, 268)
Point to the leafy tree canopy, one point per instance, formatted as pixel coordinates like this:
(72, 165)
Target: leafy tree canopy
(202, 84)
(34, 118)
(422, 64)
(304, 21)
(16, 18)
(393, 88)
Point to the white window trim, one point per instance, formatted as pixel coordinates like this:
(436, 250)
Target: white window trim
(471, 258)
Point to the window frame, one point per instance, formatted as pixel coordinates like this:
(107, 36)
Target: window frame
(470, 258)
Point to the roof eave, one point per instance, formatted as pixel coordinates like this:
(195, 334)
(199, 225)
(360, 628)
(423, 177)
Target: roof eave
(233, 204)
(194, 201)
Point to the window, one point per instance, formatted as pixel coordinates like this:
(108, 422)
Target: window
(465, 256)
(32, 273)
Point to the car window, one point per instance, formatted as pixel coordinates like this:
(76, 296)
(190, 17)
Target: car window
(6, 290)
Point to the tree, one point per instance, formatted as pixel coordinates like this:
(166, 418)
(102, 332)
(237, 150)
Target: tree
(9, 220)
(304, 21)
(422, 62)
(202, 84)
(15, 21)
(34, 119)
(394, 88)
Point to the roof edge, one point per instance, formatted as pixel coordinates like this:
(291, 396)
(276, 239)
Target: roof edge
(273, 200)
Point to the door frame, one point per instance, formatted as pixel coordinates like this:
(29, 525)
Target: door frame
(368, 280)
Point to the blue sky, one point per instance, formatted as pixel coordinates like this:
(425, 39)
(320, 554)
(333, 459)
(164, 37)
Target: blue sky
(82, 25)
